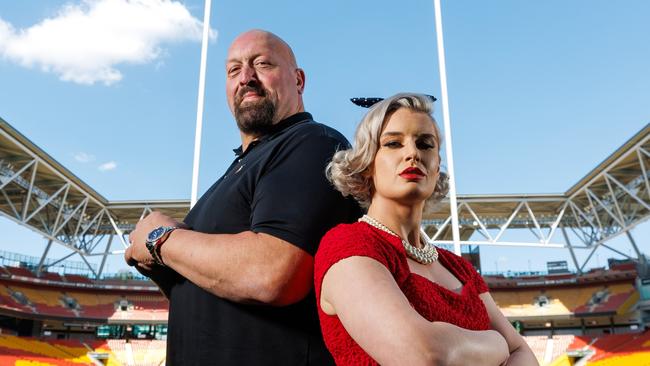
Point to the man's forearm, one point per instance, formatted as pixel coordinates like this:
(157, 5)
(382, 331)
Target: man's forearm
(244, 267)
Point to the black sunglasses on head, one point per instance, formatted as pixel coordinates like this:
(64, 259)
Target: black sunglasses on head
(369, 102)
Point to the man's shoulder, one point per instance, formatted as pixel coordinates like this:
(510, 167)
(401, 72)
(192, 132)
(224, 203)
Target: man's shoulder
(305, 141)
(315, 129)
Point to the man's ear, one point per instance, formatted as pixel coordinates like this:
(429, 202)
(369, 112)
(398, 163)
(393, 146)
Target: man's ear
(300, 80)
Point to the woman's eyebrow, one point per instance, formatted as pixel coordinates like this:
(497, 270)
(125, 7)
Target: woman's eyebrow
(429, 135)
(391, 133)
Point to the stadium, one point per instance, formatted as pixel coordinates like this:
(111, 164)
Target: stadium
(71, 310)
(61, 312)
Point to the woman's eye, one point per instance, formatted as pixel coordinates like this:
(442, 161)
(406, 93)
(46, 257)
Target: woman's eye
(424, 145)
(392, 144)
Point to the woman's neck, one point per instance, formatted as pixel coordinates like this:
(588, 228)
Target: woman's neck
(404, 220)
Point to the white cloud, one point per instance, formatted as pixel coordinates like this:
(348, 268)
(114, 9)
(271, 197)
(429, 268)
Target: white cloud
(111, 165)
(84, 43)
(83, 157)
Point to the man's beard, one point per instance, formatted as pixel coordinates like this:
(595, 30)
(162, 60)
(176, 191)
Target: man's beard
(254, 117)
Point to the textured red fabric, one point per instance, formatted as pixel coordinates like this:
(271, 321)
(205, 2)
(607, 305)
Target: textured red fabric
(432, 301)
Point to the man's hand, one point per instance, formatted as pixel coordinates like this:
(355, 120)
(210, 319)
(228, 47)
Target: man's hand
(137, 253)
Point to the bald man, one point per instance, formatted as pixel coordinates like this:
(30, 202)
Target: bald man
(239, 270)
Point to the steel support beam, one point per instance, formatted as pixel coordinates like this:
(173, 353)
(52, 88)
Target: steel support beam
(43, 257)
(639, 255)
(106, 252)
(573, 255)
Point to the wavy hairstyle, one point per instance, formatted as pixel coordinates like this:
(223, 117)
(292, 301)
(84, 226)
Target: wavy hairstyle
(347, 168)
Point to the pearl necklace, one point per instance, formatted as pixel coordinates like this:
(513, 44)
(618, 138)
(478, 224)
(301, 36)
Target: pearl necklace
(426, 255)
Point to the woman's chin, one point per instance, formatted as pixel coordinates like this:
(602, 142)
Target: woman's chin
(412, 198)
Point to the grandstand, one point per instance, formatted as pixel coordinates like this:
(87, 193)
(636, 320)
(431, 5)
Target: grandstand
(74, 320)
(14, 350)
(66, 320)
(86, 300)
(574, 302)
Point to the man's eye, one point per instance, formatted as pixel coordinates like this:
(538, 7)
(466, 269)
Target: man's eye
(233, 71)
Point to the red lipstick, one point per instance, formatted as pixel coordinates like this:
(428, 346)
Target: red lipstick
(412, 173)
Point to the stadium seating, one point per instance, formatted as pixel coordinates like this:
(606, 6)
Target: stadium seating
(77, 278)
(51, 276)
(148, 352)
(623, 349)
(571, 298)
(605, 350)
(529, 303)
(615, 350)
(613, 299)
(7, 301)
(14, 350)
(118, 349)
(126, 302)
(19, 271)
(538, 345)
(560, 345)
(91, 303)
(44, 297)
(86, 299)
(608, 350)
(580, 343)
(617, 299)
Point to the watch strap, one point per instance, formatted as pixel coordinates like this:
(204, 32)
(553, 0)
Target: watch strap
(154, 246)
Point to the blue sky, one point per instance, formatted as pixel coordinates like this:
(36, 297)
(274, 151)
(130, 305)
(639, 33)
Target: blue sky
(539, 92)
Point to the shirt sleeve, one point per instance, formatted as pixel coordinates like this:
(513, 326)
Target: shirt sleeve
(345, 241)
(293, 199)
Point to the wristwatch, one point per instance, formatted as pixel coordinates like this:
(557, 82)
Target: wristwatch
(155, 240)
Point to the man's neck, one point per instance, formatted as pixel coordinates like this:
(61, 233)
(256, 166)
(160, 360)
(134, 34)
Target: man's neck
(246, 139)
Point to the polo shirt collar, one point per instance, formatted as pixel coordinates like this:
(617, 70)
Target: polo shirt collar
(275, 129)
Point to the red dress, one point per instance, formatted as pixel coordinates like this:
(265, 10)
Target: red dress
(432, 301)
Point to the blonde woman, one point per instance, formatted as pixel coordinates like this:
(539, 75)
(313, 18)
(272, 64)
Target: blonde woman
(384, 295)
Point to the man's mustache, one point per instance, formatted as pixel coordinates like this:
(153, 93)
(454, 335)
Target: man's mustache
(250, 88)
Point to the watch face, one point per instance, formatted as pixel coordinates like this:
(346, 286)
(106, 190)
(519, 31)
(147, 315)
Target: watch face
(156, 234)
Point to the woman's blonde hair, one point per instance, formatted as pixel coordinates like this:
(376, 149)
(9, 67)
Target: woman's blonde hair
(347, 168)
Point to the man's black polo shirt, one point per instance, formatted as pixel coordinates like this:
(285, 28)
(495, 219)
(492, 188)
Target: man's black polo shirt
(278, 187)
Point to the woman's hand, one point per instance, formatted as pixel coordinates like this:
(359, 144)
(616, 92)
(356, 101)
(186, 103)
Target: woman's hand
(520, 352)
(496, 346)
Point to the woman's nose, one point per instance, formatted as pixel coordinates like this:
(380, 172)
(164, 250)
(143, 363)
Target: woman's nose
(412, 154)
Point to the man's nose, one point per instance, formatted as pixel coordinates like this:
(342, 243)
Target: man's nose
(247, 75)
